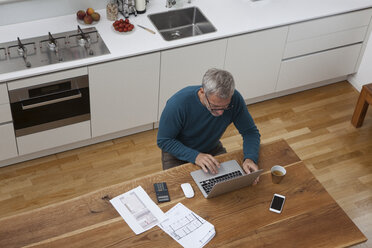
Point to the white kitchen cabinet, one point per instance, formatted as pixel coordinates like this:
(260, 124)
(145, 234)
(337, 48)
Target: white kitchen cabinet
(53, 138)
(327, 33)
(254, 61)
(8, 147)
(5, 113)
(185, 66)
(328, 25)
(318, 67)
(323, 49)
(124, 93)
(3, 94)
(325, 42)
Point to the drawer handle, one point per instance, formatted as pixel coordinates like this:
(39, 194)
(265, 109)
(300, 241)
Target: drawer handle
(31, 106)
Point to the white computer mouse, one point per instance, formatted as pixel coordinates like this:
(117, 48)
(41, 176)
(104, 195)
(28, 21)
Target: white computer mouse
(187, 190)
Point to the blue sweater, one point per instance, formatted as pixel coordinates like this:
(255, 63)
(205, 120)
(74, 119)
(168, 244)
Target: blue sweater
(187, 128)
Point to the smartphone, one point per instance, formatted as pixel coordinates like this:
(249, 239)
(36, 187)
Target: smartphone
(277, 203)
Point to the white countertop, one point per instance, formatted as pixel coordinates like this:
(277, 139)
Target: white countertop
(229, 18)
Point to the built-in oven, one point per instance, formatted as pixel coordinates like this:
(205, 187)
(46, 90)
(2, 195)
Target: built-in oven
(50, 105)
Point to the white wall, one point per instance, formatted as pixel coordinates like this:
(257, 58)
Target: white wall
(364, 74)
(29, 10)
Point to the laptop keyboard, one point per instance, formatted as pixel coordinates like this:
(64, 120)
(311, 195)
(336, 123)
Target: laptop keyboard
(208, 184)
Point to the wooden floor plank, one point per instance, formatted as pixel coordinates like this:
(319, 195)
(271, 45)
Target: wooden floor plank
(315, 123)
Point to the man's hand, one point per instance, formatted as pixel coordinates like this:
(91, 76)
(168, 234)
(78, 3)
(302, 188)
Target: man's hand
(249, 166)
(207, 162)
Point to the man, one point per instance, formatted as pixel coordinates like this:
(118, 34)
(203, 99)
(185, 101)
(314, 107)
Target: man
(195, 118)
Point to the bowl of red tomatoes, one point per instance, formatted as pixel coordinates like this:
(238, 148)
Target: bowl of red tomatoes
(123, 26)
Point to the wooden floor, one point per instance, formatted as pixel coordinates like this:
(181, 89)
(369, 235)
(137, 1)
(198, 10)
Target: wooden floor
(316, 124)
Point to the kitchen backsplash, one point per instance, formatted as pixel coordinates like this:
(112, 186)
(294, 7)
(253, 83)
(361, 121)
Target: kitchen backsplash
(29, 10)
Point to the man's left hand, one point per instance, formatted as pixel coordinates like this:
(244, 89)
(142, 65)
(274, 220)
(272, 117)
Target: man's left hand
(250, 166)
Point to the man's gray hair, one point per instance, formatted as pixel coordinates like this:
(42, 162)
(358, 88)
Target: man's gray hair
(218, 82)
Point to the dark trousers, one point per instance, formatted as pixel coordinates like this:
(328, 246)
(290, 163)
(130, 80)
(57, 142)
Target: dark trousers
(169, 161)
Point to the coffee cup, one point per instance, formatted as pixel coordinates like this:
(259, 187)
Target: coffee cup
(277, 173)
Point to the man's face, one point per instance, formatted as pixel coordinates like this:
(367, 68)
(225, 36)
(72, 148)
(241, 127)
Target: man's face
(216, 105)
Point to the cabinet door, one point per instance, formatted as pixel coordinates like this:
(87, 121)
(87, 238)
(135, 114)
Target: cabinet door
(5, 113)
(124, 93)
(327, 33)
(254, 60)
(186, 66)
(318, 67)
(54, 137)
(8, 147)
(3, 94)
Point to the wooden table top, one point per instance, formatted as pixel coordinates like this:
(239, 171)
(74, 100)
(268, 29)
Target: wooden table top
(310, 217)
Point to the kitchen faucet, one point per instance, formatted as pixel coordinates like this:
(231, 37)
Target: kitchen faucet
(171, 3)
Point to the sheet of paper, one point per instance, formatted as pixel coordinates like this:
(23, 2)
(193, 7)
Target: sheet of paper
(186, 227)
(138, 210)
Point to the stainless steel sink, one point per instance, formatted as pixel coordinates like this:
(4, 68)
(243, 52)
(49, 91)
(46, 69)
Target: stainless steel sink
(181, 23)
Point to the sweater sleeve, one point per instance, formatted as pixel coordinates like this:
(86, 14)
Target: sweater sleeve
(243, 121)
(170, 125)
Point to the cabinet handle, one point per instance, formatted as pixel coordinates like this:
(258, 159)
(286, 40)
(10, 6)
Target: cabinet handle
(79, 95)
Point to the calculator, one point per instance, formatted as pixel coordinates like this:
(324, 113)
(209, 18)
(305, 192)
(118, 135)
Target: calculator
(161, 190)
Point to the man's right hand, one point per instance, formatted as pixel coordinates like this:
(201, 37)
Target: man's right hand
(207, 162)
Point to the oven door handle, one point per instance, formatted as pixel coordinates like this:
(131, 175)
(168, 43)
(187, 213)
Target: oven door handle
(62, 99)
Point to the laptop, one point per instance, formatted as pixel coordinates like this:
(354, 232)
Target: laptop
(230, 177)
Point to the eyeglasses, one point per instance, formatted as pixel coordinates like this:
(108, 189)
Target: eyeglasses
(217, 109)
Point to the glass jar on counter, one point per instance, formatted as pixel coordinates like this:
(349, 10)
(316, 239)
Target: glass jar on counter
(112, 11)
